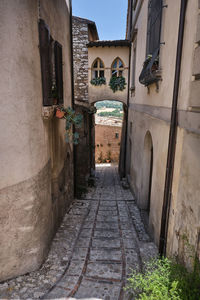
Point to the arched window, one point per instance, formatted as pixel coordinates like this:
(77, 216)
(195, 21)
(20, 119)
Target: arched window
(117, 67)
(97, 68)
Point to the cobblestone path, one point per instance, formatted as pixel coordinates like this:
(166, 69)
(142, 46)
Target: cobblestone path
(101, 238)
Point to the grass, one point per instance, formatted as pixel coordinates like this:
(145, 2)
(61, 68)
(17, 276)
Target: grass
(165, 279)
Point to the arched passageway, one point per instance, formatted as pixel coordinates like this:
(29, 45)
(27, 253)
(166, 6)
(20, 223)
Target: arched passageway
(110, 125)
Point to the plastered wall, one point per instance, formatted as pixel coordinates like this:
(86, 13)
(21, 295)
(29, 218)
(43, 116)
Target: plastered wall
(107, 55)
(150, 110)
(35, 160)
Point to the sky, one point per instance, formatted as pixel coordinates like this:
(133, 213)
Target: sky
(109, 16)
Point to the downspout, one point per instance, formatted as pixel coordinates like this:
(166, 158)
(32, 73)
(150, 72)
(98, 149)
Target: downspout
(172, 135)
(128, 95)
(72, 90)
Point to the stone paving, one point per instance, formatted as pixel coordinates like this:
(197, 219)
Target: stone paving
(100, 240)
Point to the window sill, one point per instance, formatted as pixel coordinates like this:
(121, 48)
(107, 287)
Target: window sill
(48, 112)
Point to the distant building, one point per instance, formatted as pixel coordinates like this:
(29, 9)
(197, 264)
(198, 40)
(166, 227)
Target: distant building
(107, 143)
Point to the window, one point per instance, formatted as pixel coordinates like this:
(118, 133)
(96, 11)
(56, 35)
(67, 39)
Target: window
(116, 135)
(150, 67)
(58, 71)
(153, 26)
(45, 58)
(51, 67)
(117, 67)
(97, 68)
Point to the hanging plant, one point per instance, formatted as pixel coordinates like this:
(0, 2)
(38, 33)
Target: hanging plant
(98, 81)
(92, 110)
(117, 83)
(72, 119)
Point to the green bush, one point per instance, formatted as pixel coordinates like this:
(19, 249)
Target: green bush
(117, 83)
(98, 81)
(165, 279)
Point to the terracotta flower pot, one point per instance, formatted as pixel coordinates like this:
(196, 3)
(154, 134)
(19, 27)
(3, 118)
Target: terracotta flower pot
(59, 114)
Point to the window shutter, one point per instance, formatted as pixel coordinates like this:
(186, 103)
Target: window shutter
(154, 25)
(59, 70)
(45, 57)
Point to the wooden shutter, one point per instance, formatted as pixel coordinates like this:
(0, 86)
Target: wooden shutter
(59, 70)
(154, 25)
(45, 57)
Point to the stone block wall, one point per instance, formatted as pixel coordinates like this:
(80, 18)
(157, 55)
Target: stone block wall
(80, 56)
(107, 139)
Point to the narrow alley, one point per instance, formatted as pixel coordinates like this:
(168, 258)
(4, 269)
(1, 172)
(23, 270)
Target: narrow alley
(100, 240)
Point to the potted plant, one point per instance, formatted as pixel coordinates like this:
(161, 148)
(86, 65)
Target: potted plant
(108, 160)
(98, 81)
(117, 83)
(72, 119)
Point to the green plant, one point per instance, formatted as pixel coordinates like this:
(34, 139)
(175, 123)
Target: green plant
(100, 158)
(98, 81)
(109, 155)
(165, 279)
(72, 119)
(117, 83)
(81, 190)
(92, 110)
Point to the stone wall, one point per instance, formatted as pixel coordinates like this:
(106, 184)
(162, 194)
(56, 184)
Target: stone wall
(84, 151)
(107, 139)
(80, 56)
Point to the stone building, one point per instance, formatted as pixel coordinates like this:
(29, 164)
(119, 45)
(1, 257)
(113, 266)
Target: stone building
(107, 143)
(83, 31)
(163, 141)
(36, 181)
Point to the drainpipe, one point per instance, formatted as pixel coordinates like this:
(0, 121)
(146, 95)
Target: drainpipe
(172, 135)
(127, 109)
(72, 91)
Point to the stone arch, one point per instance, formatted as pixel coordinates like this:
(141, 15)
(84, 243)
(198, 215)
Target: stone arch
(147, 172)
(111, 99)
